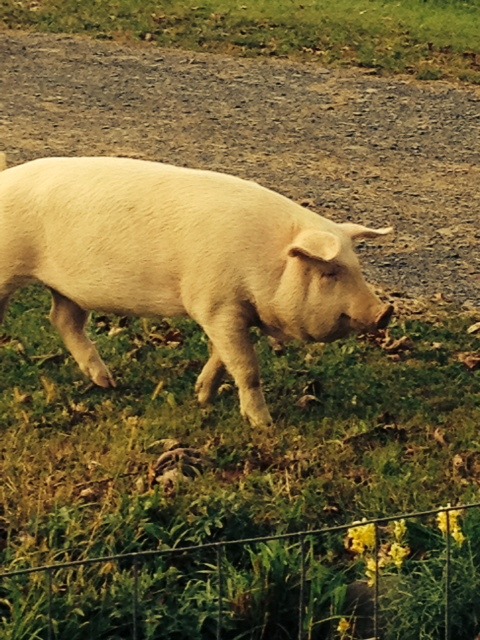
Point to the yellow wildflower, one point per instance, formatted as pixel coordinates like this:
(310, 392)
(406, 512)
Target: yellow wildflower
(343, 626)
(398, 554)
(448, 520)
(399, 530)
(371, 571)
(361, 538)
(458, 536)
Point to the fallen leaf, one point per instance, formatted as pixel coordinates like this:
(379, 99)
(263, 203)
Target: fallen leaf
(87, 494)
(308, 202)
(457, 462)
(306, 400)
(393, 347)
(470, 360)
(474, 328)
(140, 485)
(51, 391)
(226, 387)
(20, 397)
(158, 389)
(438, 436)
(115, 331)
(402, 344)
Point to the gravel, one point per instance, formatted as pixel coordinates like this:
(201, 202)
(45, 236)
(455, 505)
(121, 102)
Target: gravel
(345, 142)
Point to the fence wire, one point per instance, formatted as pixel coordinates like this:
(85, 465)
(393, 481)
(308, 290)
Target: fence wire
(138, 560)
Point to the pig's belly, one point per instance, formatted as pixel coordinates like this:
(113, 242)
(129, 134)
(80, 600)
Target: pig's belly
(120, 295)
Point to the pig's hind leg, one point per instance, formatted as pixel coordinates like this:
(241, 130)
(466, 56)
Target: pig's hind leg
(69, 319)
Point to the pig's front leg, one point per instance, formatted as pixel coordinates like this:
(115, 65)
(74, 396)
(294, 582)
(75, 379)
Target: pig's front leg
(210, 378)
(229, 333)
(70, 319)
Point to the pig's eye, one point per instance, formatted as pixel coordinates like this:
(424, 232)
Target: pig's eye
(331, 275)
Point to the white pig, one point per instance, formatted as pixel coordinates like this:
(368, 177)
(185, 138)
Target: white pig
(147, 239)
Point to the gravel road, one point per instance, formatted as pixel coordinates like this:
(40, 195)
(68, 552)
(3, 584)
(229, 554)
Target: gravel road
(349, 144)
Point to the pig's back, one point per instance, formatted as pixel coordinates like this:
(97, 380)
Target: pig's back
(133, 232)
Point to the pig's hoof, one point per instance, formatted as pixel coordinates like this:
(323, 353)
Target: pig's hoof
(101, 376)
(254, 408)
(204, 393)
(260, 418)
(105, 381)
(260, 422)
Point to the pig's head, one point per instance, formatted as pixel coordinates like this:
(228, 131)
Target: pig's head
(322, 294)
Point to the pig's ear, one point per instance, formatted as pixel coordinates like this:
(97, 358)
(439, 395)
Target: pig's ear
(319, 245)
(358, 231)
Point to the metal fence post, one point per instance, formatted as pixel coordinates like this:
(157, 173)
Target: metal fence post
(50, 606)
(447, 577)
(376, 625)
(220, 552)
(135, 599)
(301, 595)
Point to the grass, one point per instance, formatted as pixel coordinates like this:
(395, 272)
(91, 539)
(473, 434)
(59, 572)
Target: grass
(363, 427)
(432, 39)
(347, 416)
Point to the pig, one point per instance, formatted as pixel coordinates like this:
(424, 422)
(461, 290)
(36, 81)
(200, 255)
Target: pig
(141, 238)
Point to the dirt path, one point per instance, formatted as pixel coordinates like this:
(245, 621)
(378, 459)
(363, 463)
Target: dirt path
(349, 144)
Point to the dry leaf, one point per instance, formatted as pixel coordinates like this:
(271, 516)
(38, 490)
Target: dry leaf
(457, 462)
(402, 344)
(308, 202)
(158, 389)
(51, 392)
(393, 347)
(439, 437)
(87, 494)
(306, 400)
(474, 328)
(226, 387)
(20, 397)
(470, 360)
(458, 469)
(115, 331)
(140, 485)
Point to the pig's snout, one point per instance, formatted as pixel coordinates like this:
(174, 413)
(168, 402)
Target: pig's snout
(371, 323)
(382, 320)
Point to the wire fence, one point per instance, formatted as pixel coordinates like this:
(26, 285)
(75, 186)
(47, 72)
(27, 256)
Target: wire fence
(51, 583)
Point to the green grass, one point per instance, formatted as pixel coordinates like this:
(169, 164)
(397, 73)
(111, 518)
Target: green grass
(384, 432)
(433, 39)
(376, 437)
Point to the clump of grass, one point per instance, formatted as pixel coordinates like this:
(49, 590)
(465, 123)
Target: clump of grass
(432, 39)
